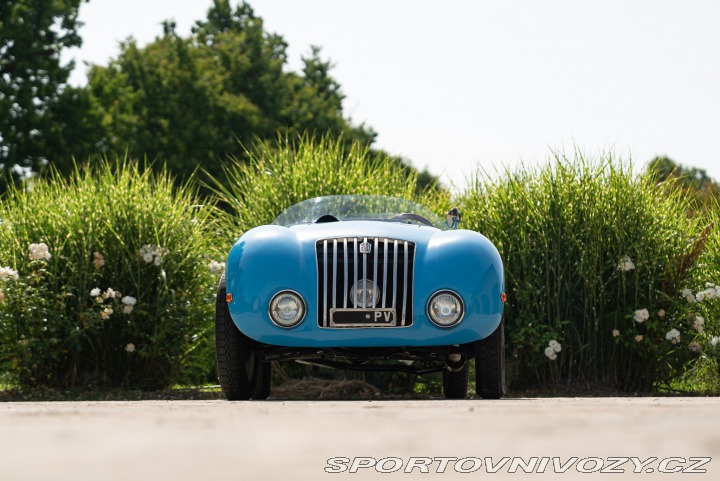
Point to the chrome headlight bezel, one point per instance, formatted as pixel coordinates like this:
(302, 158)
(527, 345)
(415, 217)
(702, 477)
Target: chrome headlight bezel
(297, 319)
(456, 297)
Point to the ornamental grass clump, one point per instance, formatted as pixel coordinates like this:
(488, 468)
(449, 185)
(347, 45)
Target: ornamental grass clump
(694, 323)
(279, 174)
(105, 280)
(596, 258)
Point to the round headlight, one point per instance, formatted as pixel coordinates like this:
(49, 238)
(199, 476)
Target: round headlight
(445, 309)
(364, 294)
(287, 309)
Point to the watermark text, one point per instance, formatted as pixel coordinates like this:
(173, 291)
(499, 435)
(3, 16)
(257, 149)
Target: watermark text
(439, 465)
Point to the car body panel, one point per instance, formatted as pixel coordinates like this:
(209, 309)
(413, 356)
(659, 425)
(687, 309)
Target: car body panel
(271, 258)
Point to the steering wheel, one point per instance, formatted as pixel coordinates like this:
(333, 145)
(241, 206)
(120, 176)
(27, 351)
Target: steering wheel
(409, 216)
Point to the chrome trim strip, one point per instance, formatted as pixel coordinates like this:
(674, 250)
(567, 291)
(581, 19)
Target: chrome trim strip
(334, 272)
(325, 283)
(355, 265)
(364, 276)
(385, 269)
(394, 299)
(374, 279)
(345, 284)
(405, 282)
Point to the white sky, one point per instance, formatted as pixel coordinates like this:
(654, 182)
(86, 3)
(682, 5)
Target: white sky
(460, 83)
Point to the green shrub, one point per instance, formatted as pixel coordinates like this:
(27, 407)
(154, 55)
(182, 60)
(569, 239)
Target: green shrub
(123, 294)
(596, 259)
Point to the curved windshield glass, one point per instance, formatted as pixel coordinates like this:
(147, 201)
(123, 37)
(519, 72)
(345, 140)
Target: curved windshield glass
(358, 207)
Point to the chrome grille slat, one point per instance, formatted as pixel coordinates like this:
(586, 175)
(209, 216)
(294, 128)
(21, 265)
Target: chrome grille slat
(334, 304)
(325, 321)
(395, 259)
(345, 270)
(375, 266)
(385, 242)
(365, 274)
(405, 283)
(355, 270)
(397, 256)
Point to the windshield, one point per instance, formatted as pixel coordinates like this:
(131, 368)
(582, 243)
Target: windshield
(357, 207)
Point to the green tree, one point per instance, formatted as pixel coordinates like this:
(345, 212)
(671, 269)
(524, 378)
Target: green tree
(693, 181)
(32, 79)
(193, 101)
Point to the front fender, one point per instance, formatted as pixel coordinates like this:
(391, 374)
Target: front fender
(468, 263)
(263, 261)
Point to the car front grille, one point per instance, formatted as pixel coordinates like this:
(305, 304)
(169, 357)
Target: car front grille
(341, 265)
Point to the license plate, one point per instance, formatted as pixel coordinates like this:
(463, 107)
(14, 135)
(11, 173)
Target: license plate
(362, 318)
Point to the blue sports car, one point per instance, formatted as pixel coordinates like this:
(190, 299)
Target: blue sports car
(362, 282)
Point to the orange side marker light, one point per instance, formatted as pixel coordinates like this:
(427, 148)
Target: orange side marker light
(503, 297)
(228, 297)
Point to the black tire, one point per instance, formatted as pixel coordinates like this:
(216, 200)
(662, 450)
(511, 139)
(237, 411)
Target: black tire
(490, 364)
(455, 384)
(263, 385)
(239, 362)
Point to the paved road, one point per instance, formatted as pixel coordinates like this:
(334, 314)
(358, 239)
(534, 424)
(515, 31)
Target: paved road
(285, 440)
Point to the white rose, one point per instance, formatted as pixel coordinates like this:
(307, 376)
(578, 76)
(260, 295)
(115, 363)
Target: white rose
(641, 315)
(550, 353)
(673, 335)
(129, 300)
(555, 345)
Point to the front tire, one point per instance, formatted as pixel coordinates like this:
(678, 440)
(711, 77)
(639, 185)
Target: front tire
(239, 361)
(490, 364)
(455, 383)
(263, 384)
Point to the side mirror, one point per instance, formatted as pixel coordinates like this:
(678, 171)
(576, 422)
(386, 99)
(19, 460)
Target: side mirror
(453, 218)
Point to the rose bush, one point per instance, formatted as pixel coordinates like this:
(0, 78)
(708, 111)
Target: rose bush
(108, 258)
